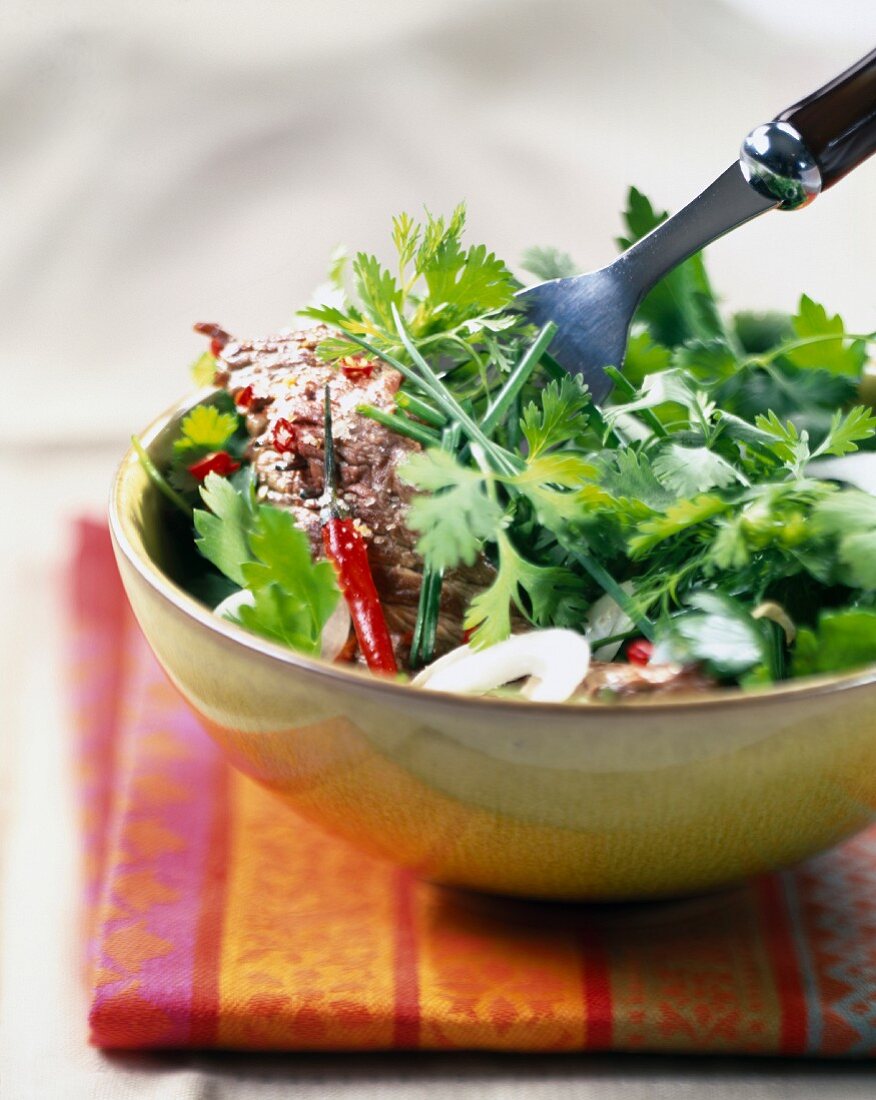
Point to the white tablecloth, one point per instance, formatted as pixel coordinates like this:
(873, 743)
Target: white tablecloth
(168, 162)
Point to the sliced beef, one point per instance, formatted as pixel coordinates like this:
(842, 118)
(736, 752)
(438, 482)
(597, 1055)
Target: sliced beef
(283, 381)
(610, 680)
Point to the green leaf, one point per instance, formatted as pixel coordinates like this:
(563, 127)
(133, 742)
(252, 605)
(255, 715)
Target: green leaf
(559, 417)
(377, 289)
(203, 370)
(628, 475)
(789, 445)
(678, 519)
(835, 354)
(708, 361)
(294, 595)
(844, 640)
(224, 529)
(687, 471)
(719, 633)
(475, 279)
(848, 517)
(846, 432)
(549, 263)
(458, 517)
(205, 429)
(536, 591)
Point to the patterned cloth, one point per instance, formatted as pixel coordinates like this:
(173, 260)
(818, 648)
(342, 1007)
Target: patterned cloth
(217, 919)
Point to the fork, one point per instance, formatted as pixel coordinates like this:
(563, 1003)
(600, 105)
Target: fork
(783, 165)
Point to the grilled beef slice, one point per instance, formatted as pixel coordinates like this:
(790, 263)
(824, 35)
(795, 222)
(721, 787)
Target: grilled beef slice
(287, 380)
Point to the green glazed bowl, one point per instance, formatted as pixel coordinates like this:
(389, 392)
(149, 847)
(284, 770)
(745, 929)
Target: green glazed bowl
(597, 802)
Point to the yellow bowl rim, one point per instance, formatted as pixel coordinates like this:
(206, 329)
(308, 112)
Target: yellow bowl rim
(807, 688)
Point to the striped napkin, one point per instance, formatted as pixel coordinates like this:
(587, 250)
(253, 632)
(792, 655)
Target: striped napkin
(218, 919)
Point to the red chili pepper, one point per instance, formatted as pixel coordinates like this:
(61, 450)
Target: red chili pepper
(345, 549)
(219, 462)
(639, 651)
(244, 398)
(356, 369)
(285, 436)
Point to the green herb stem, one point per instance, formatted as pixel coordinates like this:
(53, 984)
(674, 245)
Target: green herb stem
(610, 586)
(158, 479)
(422, 409)
(518, 378)
(764, 358)
(401, 425)
(629, 390)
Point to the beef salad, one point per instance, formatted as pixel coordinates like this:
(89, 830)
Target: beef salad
(407, 480)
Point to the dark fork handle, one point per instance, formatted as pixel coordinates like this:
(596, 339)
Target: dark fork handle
(838, 122)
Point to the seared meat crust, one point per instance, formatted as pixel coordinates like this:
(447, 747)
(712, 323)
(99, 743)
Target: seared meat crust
(287, 381)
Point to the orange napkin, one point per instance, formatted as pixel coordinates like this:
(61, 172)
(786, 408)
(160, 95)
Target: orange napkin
(220, 920)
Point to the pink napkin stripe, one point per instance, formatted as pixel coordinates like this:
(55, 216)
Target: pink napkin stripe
(163, 853)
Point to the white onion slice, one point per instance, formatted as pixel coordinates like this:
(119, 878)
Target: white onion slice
(336, 631)
(605, 619)
(230, 606)
(554, 662)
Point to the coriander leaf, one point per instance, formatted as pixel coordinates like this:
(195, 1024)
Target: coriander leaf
(848, 516)
(708, 361)
(627, 475)
(475, 278)
(847, 431)
(283, 558)
(566, 469)
(544, 482)
(405, 237)
(857, 553)
(224, 529)
(458, 516)
(669, 387)
(559, 418)
(843, 640)
(377, 289)
(536, 591)
(282, 617)
(790, 445)
(488, 617)
(718, 633)
(205, 429)
(678, 519)
(837, 355)
(686, 471)
(549, 263)
(203, 370)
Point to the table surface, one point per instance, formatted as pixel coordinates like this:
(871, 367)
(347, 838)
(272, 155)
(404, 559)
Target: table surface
(169, 162)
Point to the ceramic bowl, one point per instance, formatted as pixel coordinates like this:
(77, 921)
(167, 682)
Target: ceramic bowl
(598, 802)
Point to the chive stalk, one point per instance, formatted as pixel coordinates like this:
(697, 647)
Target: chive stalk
(401, 425)
(610, 586)
(158, 479)
(517, 379)
(421, 409)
